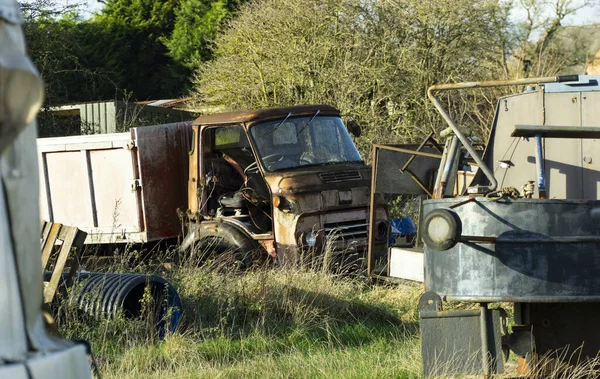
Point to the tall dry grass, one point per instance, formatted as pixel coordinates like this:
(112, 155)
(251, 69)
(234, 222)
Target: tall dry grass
(302, 321)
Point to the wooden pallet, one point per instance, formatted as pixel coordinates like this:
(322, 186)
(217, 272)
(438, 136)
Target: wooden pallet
(61, 248)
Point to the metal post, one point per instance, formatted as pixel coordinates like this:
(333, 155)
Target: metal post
(485, 347)
(539, 162)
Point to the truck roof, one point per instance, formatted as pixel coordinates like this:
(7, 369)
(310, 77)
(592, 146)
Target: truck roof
(263, 114)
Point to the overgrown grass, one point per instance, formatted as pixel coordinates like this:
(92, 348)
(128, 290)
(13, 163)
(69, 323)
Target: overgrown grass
(263, 322)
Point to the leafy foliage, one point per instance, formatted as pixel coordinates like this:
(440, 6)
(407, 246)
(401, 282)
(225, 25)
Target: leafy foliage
(196, 23)
(374, 60)
(138, 48)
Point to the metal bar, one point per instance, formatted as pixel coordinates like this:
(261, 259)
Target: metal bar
(87, 166)
(488, 173)
(420, 219)
(485, 347)
(412, 157)
(47, 187)
(539, 162)
(494, 83)
(532, 240)
(418, 181)
(545, 131)
(372, 211)
(401, 150)
(450, 158)
(444, 158)
(502, 83)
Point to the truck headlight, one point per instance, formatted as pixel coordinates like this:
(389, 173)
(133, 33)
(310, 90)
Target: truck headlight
(310, 239)
(382, 230)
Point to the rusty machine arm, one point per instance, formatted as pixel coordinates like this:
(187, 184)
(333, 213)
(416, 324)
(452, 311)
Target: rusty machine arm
(439, 190)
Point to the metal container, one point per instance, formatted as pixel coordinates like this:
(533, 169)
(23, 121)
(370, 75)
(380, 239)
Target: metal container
(124, 187)
(526, 250)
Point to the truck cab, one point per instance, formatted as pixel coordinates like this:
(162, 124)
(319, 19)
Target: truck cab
(288, 181)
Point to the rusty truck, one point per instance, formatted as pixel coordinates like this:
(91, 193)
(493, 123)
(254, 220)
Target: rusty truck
(521, 228)
(283, 181)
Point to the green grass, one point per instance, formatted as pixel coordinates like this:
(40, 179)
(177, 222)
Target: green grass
(275, 323)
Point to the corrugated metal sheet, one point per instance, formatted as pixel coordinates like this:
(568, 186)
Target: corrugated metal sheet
(106, 117)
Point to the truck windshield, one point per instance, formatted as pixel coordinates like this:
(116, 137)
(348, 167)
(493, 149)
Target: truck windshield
(304, 141)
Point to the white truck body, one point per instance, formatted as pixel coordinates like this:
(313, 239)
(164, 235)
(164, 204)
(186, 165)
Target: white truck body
(119, 188)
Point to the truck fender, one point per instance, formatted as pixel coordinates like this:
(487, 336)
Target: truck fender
(232, 235)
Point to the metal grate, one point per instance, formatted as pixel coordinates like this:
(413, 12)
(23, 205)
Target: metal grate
(339, 176)
(347, 230)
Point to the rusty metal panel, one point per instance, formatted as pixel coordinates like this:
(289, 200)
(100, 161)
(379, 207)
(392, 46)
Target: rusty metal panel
(163, 164)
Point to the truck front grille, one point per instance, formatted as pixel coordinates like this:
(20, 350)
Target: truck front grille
(340, 176)
(347, 230)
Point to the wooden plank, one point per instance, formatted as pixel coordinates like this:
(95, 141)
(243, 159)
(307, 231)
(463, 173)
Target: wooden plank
(78, 242)
(68, 235)
(46, 227)
(70, 251)
(49, 242)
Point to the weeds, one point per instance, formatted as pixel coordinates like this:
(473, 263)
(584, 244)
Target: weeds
(261, 322)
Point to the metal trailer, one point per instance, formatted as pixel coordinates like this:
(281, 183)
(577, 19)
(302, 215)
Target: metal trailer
(121, 188)
(524, 231)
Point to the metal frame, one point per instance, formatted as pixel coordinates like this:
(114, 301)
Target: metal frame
(405, 169)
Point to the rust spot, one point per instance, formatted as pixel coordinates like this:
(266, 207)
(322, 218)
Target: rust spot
(269, 246)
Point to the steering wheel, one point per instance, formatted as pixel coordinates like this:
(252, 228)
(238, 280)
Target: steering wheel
(272, 158)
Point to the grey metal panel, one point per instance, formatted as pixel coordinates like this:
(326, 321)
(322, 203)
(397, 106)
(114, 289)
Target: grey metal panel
(451, 342)
(98, 117)
(566, 177)
(590, 149)
(563, 156)
(558, 258)
(525, 109)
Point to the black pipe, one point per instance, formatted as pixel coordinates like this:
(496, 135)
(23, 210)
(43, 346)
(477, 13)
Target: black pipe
(109, 293)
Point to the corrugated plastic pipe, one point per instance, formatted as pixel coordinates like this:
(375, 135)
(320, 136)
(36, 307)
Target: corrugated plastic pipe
(99, 293)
